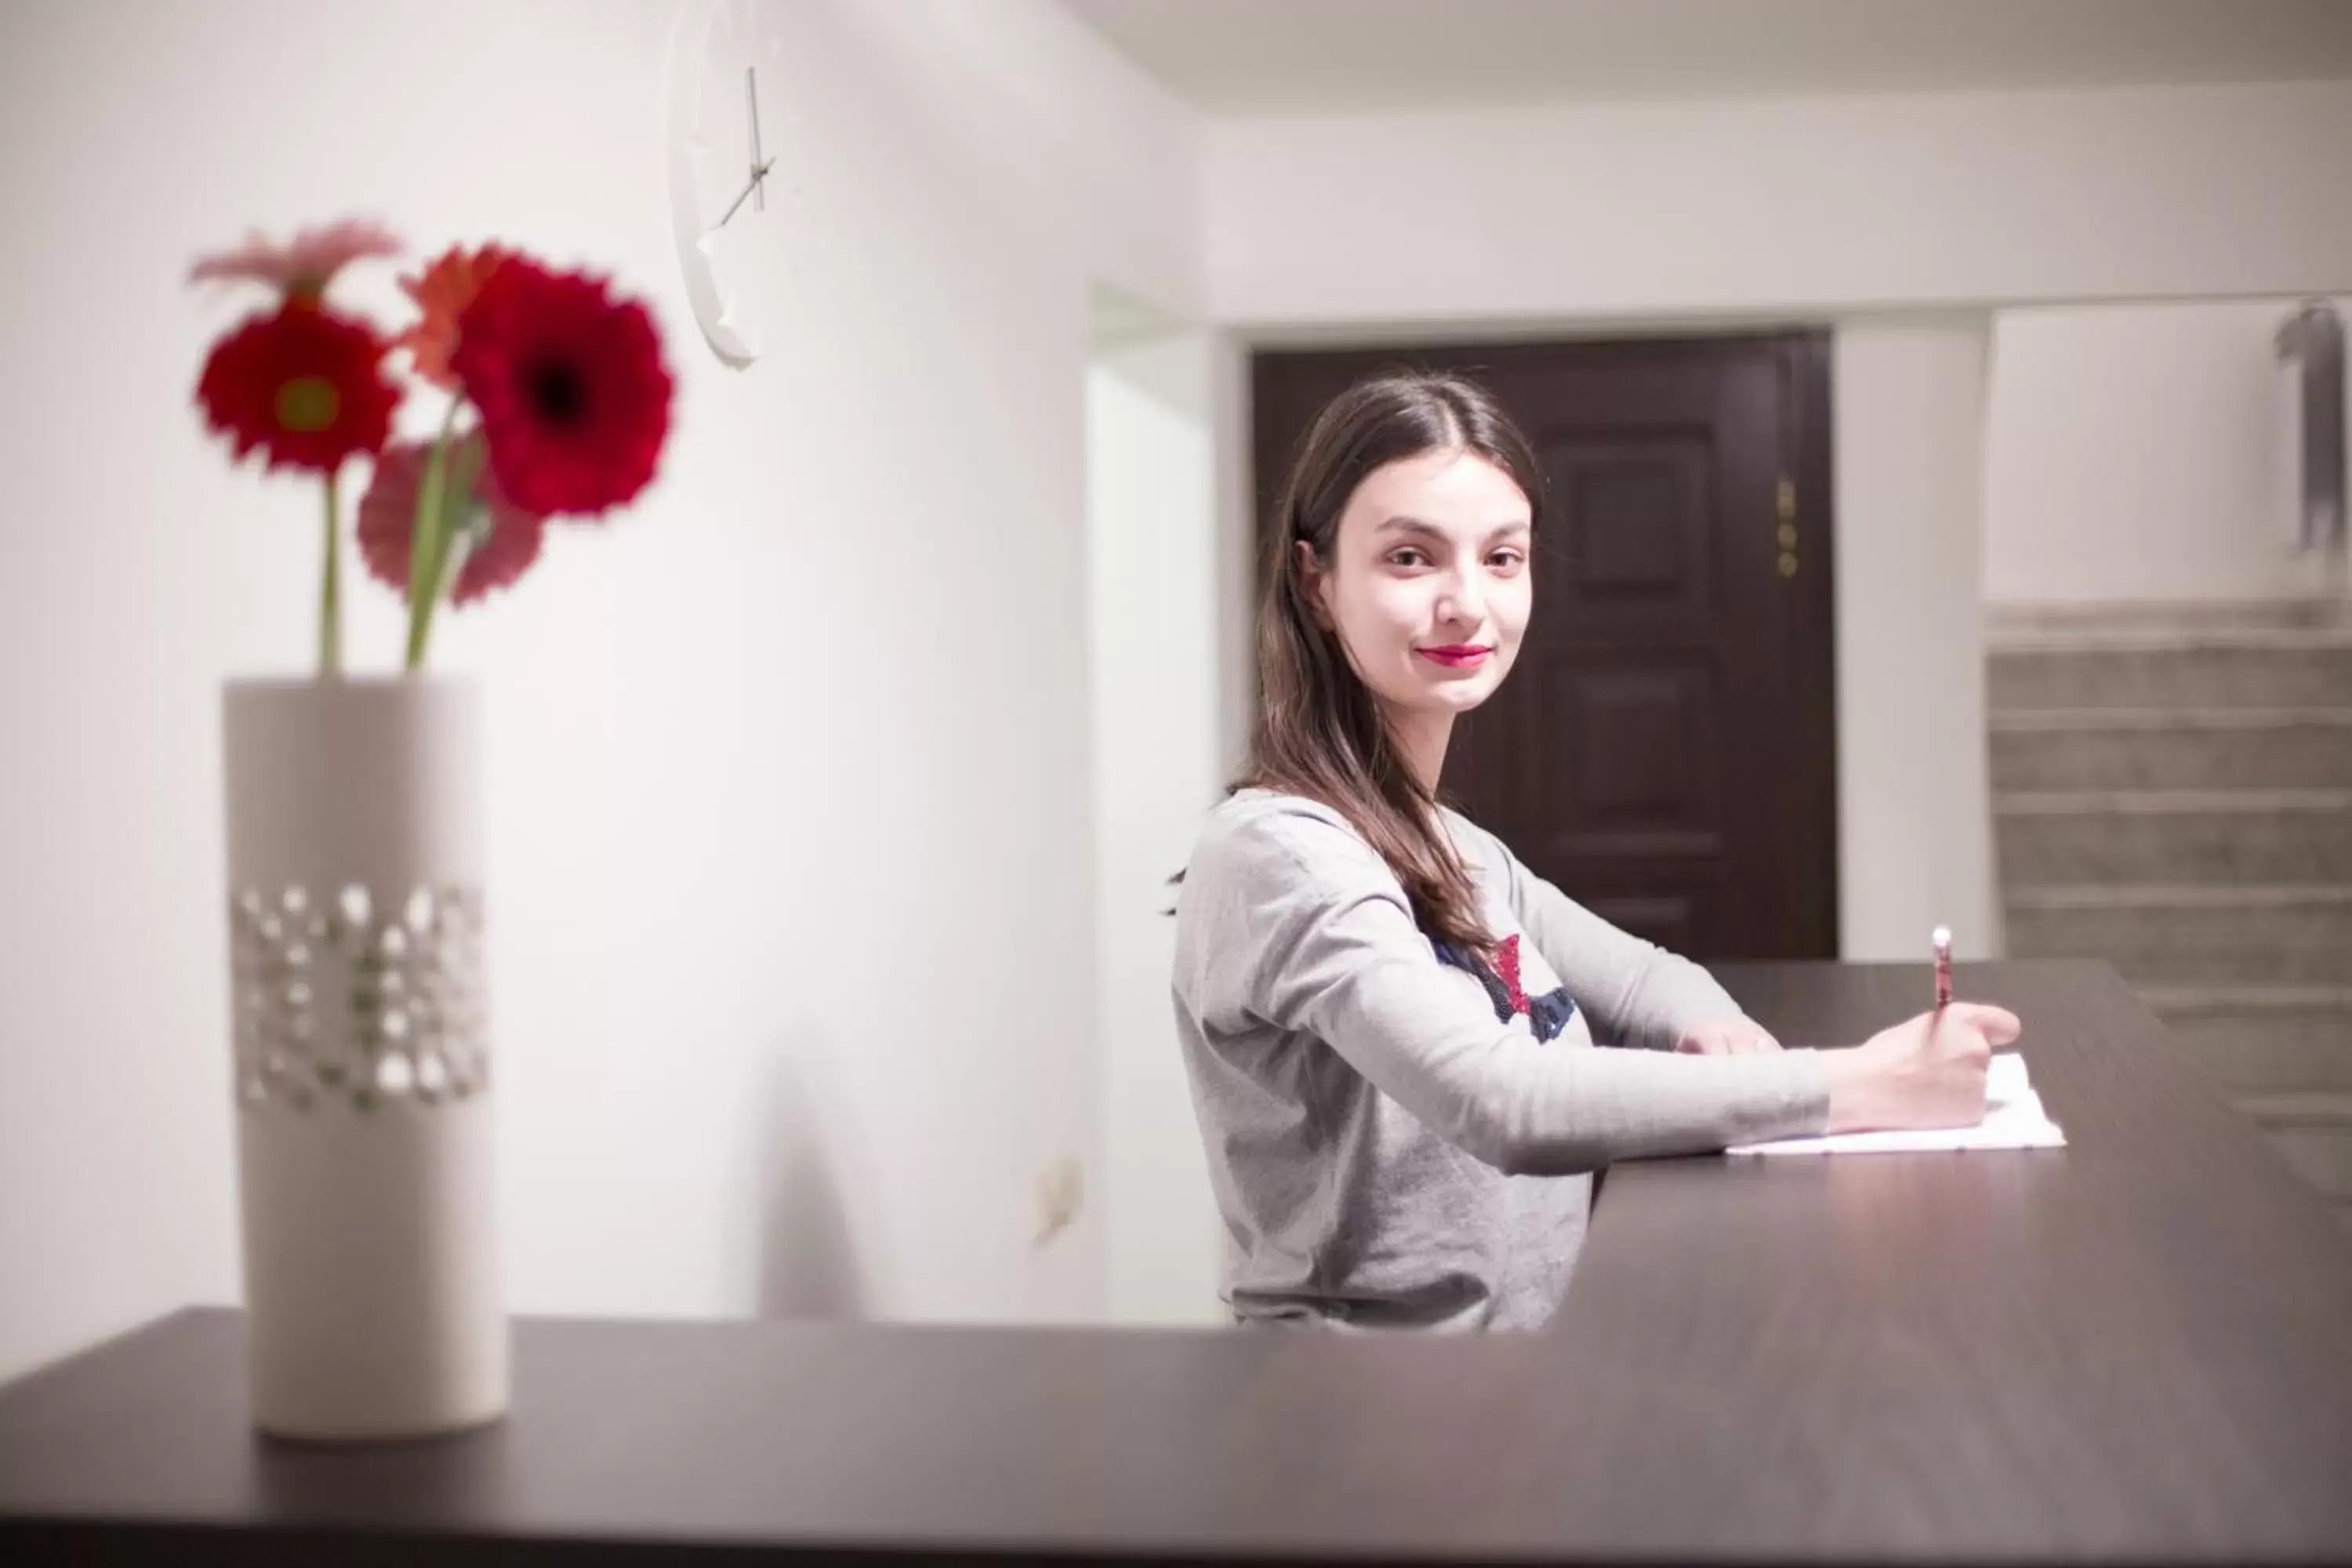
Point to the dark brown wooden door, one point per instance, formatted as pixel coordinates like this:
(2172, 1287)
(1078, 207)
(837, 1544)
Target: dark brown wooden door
(1664, 750)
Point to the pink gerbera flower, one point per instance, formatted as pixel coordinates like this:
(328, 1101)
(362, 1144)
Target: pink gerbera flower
(388, 526)
(302, 269)
(442, 293)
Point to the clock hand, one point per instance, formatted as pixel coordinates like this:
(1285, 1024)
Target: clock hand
(758, 176)
(759, 166)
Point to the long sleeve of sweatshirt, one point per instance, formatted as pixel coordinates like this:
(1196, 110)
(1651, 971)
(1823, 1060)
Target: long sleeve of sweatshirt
(1295, 923)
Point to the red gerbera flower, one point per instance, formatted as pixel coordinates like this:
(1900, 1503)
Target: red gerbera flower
(303, 383)
(442, 293)
(388, 526)
(572, 393)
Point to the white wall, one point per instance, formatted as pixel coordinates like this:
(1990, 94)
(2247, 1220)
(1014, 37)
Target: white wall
(1808, 206)
(1151, 509)
(793, 932)
(1915, 841)
(2132, 454)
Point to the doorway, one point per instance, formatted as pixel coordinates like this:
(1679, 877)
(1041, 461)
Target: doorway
(1664, 750)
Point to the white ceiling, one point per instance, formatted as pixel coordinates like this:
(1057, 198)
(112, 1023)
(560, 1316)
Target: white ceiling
(1314, 56)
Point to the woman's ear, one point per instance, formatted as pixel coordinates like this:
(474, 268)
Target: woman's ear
(1312, 583)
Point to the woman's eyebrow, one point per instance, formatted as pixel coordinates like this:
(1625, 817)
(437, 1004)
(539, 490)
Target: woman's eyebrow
(1403, 524)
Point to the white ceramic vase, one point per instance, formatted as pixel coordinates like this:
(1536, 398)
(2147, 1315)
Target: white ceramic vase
(363, 1066)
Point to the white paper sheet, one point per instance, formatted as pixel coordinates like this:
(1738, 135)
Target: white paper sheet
(2013, 1120)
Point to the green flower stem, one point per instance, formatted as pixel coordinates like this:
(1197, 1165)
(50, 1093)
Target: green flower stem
(330, 604)
(442, 494)
(422, 539)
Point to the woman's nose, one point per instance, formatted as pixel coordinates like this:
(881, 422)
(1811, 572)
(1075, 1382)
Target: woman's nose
(1460, 600)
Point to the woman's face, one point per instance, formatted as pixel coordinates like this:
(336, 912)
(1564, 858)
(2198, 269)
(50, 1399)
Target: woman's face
(1428, 585)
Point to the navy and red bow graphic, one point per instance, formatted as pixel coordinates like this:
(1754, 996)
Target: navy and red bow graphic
(1546, 1015)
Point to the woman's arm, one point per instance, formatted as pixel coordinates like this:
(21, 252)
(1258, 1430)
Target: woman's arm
(1927, 1071)
(1292, 920)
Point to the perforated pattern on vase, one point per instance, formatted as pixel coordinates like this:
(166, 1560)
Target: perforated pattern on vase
(356, 1000)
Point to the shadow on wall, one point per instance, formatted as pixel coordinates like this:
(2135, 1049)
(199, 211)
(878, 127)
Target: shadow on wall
(809, 1261)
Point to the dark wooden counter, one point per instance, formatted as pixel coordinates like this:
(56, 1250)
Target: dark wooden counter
(2136, 1347)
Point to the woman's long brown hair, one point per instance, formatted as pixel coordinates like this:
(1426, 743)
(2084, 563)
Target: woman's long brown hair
(1318, 732)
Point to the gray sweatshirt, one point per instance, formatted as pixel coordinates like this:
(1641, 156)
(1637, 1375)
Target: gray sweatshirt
(1400, 1136)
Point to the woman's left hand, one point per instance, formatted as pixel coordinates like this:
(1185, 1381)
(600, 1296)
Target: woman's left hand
(1727, 1037)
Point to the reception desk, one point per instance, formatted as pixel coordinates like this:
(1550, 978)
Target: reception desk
(2137, 1348)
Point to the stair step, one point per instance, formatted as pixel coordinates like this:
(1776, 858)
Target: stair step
(2156, 639)
(2313, 1131)
(2159, 748)
(2254, 1040)
(2010, 622)
(2186, 934)
(2245, 667)
(2175, 835)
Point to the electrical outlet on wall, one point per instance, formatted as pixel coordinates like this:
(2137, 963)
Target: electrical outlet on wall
(1060, 1192)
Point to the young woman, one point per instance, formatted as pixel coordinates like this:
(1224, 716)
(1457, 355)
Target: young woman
(1389, 1022)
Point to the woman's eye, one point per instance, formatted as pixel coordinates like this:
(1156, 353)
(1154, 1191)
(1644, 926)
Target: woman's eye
(1407, 558)
(1508, 559)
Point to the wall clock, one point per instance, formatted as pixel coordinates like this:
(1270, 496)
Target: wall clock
(722, 168)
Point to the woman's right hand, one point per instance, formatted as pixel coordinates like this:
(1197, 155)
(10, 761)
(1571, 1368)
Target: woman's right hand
(1927, 1071)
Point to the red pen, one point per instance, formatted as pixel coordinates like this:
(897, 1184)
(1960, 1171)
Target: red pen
(1943, 940)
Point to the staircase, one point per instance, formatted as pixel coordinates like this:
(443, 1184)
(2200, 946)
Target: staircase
(2172, 791)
